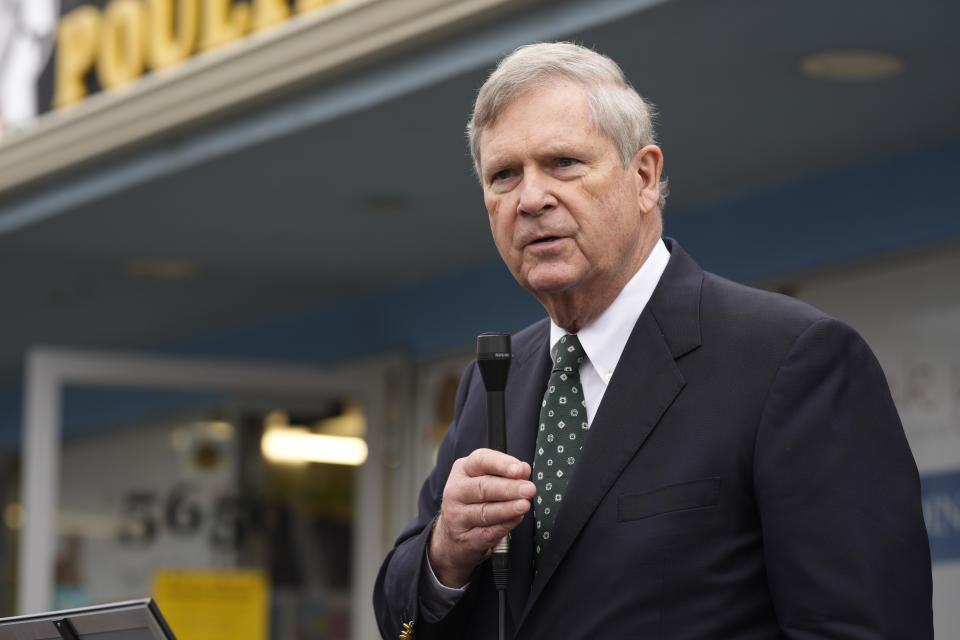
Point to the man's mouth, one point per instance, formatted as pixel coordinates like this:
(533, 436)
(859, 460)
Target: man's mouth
(545, 239)
(545, 242)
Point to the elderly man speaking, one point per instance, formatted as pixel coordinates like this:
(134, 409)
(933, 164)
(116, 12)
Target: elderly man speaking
(687, 457)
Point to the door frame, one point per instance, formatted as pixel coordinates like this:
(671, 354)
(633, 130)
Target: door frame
(50, 369)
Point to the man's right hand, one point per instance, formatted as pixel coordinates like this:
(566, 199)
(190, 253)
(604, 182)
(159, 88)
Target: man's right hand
(485, 497)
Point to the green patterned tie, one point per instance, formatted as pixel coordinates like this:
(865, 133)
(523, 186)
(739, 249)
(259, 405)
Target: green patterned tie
(563, 428)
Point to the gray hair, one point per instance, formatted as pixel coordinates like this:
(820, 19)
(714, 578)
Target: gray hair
(617, 110)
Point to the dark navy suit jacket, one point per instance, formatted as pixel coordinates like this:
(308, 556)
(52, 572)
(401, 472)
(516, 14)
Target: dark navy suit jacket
(746, 476)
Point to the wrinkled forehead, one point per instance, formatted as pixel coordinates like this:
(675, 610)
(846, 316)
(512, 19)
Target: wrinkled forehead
(545, 108)
(542, 105)
(535, 84)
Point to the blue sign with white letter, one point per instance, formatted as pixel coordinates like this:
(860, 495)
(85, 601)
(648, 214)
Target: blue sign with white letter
(941, 511)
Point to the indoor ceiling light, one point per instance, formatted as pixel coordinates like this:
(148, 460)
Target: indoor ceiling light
(297, 445)
(850, 65)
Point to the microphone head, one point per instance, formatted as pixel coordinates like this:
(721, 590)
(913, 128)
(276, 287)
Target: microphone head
(493, 358)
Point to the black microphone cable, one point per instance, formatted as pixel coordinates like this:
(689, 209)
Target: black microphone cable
(493, 359)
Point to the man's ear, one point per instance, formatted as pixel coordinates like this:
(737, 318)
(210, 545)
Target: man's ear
(648, 164)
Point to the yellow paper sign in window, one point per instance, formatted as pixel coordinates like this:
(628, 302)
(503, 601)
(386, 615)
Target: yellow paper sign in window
(213, 605)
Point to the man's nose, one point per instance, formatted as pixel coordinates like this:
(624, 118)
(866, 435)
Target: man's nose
(536, 196)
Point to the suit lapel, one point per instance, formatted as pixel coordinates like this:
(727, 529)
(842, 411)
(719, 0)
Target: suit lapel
(623, 422)
(645, 383)
(525, 386)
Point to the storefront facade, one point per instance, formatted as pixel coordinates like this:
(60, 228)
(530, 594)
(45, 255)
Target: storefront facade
(226, 219)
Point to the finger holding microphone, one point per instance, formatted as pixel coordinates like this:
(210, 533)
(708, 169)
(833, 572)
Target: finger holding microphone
(486, 495)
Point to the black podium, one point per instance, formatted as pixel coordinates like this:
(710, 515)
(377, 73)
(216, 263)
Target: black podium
(130, 620)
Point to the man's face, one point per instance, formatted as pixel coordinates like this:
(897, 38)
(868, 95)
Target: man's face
(570, 221)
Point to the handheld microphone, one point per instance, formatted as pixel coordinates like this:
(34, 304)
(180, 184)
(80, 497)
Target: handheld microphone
(493, 359)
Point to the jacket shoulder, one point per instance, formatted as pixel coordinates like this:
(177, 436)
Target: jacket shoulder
(734, 305)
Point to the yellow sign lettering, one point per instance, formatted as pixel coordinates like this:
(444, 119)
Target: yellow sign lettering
(123, 45)
(78, 38)
(307, 5)
(173, 38)
(269, 12)
(223, 23)
(130, 36)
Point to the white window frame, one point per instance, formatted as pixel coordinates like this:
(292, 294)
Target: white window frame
(49, 370)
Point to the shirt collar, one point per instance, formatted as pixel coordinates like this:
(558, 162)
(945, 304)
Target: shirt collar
(604, 339)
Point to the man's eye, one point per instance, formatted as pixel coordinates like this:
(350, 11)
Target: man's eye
(503, 174)
(566, 162)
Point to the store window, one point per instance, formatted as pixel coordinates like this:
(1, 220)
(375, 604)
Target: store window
(175, 501)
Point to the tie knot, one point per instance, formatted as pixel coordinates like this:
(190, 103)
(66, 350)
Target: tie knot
(570, 354)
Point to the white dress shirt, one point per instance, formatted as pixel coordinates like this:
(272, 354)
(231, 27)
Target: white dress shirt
(603, 340)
